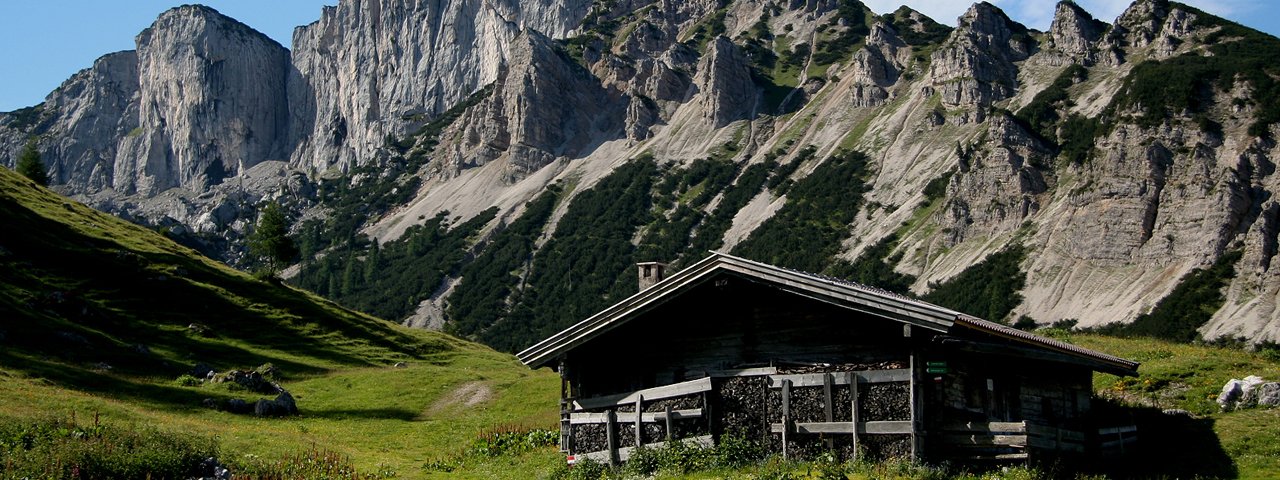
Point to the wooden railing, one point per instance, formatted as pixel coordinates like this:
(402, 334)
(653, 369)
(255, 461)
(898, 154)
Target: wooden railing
(854, 426)
(985, 441)
(1006, 440)
(613, 453)
(1115, 441)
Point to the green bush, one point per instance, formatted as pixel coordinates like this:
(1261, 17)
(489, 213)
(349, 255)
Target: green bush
(1160, 90)
(988, 289)
(314, 463)
(187, 381)
(808, 231)
(875, 267)
(512, 441)
(63, 448)
(929, 33)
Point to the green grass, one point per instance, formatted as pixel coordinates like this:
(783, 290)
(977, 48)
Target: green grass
(1189, 377)
(80, 289)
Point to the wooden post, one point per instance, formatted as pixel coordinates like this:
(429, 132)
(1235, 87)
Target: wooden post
(853, 385)
(611, 436)
(828, 406)
(566, 409)
(786, 415)
(706, 412)
(916, 413)
(639, 424)
(670, 424)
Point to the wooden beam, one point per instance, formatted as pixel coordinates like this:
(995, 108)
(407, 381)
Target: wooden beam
(985, 440)
(988, 427)
(670, 423)
(916, 406)
(657, 393)
(743, 372)
(854, 389)
(841, 378)
(885, 427)
(1115, 430)
(624, 453)
(639, 420)
(869, 428)
(581, 418)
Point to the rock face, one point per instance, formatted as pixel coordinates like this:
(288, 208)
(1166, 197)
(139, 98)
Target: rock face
(1074, 32)
(368, 68)
(726, 79)
(543, 106)
(975, 67)
(207, 119)
(211, 103)
(81, 123)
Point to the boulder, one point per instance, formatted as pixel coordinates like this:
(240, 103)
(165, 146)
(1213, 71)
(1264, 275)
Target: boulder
(1230, 394)
(283, 405)
(1250, 392)
(237, 405)
(201, 370)
(1268, 394)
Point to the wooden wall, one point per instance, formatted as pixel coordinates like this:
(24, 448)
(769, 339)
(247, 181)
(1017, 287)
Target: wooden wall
(728, 323)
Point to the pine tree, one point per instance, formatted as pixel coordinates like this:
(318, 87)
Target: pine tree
(29, 164)
(270, 241)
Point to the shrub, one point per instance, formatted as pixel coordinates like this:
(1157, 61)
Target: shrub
(512, 441)
(986, 290)
(63, 448)
(187, 381)
(313, 463)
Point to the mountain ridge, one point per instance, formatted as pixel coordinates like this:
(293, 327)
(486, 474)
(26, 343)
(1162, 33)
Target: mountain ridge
(1065, 142)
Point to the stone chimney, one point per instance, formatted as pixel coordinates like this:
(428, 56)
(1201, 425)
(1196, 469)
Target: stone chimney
(651, 273)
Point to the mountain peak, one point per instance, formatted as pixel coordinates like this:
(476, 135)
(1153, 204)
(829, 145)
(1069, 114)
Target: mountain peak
(1074, 31)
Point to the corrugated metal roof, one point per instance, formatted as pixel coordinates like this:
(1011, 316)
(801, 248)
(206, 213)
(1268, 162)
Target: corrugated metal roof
(854, 296)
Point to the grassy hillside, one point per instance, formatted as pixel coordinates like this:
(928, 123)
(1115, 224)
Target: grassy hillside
(96, 317)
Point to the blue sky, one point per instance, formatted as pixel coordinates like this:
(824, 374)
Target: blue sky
(47, 41)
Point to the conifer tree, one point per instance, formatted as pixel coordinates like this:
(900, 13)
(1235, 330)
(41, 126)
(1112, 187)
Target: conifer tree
(29, 164)
(270, 241)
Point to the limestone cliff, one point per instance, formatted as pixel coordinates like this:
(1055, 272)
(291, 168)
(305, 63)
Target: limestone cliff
(978, 138)
(211, 103)
(372, 68)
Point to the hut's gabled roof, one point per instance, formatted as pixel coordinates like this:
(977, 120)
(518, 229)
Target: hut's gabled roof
(845, 294)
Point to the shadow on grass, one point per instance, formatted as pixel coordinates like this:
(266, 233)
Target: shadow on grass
(1168, 446)
(170, 398)
(362, 413)
(70, 300)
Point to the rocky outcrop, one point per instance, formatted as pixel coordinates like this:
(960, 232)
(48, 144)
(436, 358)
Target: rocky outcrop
(877, 66)
(975, 67)
(543, 106)
(998, 184)
(201, 99)
(211, 103)
(81, 123)
(1251, 392)
(727, 92)
(1074, 33)
(372, 68)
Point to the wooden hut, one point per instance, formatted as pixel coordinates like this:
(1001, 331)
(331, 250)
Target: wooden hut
(804, 363)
